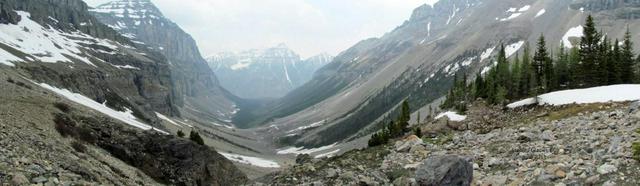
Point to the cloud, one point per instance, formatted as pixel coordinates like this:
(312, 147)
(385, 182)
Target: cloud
(307, 26)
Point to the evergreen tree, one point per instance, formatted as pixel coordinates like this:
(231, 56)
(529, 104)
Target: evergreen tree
(195, 137)
(614, 67)
(604, 62)
(562, 68)
(516, 73)
(180, 133)
(525, 72)
(626, 59)
(576, 72)
(589, 43)
(540, 59)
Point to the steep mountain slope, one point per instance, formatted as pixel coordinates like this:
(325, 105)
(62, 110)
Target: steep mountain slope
(418, 60)
(75, 94)
(196, 91)
(269, 73)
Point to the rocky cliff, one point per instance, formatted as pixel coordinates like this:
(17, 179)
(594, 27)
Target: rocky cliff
(268, 73)
(196, 89)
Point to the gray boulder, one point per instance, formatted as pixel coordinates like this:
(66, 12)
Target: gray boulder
(447, 170)
(634, 107)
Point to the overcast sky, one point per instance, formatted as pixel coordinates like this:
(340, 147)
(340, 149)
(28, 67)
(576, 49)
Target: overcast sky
(309, 27)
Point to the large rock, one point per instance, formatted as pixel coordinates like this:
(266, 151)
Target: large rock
(407, 143)
(444, 170)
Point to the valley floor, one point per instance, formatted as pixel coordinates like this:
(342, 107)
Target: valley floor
(567, 145)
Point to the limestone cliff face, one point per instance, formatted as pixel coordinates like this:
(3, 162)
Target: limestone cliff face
(196, 89)
(86, 56)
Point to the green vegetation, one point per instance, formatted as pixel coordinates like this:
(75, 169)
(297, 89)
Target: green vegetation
(394, 129)
(180, 133)
(195, 137)
(596, 62)
(62, 107)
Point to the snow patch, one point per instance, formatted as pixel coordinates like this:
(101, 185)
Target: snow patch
(328, 154)
(573, 32)
(302, 150)
(313, 125)
(47, 44)
(126, 67)
(513, 48)
(453, 116)
(487, 53)
(239, 66)
(540, 13)
(126, 116)
(625, 92)
(255, 161)
(6, 58)
(163, 117)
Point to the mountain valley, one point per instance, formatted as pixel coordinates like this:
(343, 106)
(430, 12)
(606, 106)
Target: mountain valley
(120, 94)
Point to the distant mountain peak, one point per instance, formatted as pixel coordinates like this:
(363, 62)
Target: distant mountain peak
(135, 9)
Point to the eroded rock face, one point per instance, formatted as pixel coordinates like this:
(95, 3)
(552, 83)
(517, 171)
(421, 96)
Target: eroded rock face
(193, 82)
(444, 170)
(165, 158)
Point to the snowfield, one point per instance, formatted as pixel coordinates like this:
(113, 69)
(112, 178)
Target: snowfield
(255, 161)
(540, 13)
(616, 93)
(126, 116)
(573, 32)
(453, 116)
(45, 44)
(302, 150)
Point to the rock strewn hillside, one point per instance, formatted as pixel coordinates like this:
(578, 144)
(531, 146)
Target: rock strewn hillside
(48, 140)
(576, 144)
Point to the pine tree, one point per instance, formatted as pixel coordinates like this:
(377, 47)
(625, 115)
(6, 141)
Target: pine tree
(195, 137)
(626, 59)
(603, 62)
(540, 59)
(525, 72)
(515, 78)
(614, 66)
(562, 68)
(589, 53)
(576, 72)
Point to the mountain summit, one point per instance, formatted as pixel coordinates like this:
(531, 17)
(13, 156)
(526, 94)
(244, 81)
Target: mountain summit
(267, 73)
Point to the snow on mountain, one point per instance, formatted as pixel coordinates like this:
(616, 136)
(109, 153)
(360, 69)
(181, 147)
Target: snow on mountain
(255, 161)
(581, 96)
(541, 12)
(45, 44)
(453, 116)
(572, 32)
(267, 73)
(125, 116)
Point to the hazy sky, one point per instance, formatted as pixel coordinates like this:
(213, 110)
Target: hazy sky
(308, 27)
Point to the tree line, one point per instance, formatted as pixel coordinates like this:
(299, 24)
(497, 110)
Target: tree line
(395, 128)
(597, 61)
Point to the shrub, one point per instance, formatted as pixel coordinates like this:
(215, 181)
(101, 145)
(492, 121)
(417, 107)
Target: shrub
(10, 80)
(195, 137)
(180, 133)
(79, 147)
(64, 125)
(23, 85)
(62, 107)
